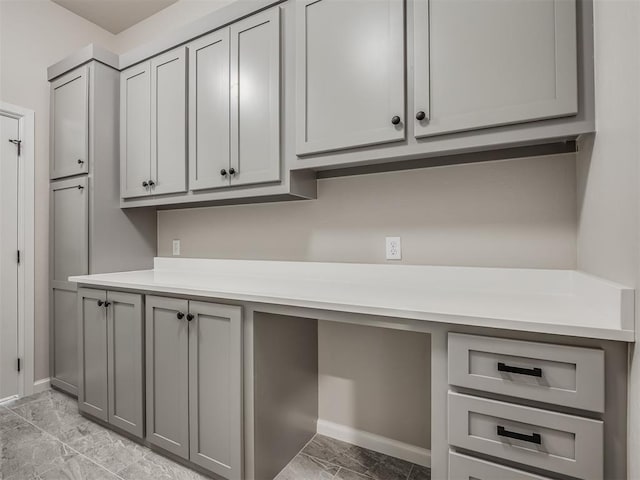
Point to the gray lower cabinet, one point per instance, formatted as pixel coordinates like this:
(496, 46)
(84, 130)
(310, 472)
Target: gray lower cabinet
(111, 358)
(194, 375)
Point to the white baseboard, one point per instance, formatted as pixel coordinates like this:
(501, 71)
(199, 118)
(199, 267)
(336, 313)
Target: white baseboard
(41, 385)
(377, 443)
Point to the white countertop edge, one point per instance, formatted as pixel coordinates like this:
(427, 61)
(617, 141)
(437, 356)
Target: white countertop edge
(584, 331)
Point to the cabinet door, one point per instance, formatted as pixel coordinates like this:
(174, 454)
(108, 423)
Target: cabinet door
(167, 375)
(169, 122)
(349, 74)
(481, 64)
(70, 124)
(69, 219)
(135, 130)
(126, 360)
(92, 349)
(215, 388)
(209, 98)
(64, 338)
(255, 102)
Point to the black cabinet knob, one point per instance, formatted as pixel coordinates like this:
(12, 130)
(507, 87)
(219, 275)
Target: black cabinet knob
(106, 304)
(421, 115)
(145, 184)
(151, 183)
(80, 162)
(189, 316)
(232, 171)
(180, 315)
(223, 172)
(100, 303)
(395, 120)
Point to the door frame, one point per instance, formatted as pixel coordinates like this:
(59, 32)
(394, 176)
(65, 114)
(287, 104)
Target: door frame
(26, 238)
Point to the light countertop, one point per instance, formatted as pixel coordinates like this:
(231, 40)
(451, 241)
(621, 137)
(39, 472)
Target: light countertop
(561, 302)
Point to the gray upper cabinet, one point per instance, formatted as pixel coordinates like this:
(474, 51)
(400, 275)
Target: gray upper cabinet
(350, 74)
(69, 153)
(255, 99)
(125, 344)
(92, 348)
(215, 388)
(209, 121)
(235, 104)
(169, 122)
(135, 130)
(482, 64)
(167, 379)
(153, 115)
(111, 358)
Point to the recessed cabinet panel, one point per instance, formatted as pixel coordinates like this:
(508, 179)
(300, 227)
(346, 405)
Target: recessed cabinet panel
(350, 74)
(135, 131)
(70, 124)
(209, 98)
(92, 388)
(255, 99)
(215, 388)
(64, 339)
(126, 347)
(167, 353)
(69, 228)
(498, 62)
(169, 117)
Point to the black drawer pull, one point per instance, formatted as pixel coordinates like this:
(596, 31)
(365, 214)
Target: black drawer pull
(532, 372)
(533, 438)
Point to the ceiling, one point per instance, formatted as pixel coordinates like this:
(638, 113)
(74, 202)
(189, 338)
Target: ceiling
(115, 15)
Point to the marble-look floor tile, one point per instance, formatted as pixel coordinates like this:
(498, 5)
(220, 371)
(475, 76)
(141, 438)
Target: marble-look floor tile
(53, 414)
(307, 468)
(156, 467)
(27, 451)
(9, 420)
(77, 468)
(109, 449)
(357, 459)
(420, 473)
(344, 474)
(31, 398)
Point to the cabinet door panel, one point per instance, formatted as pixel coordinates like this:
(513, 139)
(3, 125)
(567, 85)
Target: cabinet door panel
(69, 229)
(70, 124)
(481, 64)
(167, 354)
(169, 122)
(209, 98)
(255, 105)
(135, 130)
(125, 344)
(64, 339)
(350, 73)
(215, 388)
(92, 349)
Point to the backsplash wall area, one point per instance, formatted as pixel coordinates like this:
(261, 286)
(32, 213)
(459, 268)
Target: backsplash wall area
(512, 213)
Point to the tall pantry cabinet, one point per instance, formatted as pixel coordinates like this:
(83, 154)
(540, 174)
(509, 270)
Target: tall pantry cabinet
(89, 233)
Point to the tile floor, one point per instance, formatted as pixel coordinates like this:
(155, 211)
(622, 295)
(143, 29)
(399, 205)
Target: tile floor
(43, 437)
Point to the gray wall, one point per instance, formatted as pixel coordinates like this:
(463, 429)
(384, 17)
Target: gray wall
(510, 213)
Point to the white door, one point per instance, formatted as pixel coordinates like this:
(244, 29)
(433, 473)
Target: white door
(349, 74)
(8, 257)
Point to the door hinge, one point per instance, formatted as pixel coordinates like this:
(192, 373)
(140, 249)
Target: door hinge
(17, 143)
(18, 364)
(18, 257)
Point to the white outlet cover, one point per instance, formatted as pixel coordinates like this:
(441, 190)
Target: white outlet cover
(176, 247)
(394, 248)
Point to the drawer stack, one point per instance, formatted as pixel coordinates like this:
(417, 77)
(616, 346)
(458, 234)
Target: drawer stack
(532, 439)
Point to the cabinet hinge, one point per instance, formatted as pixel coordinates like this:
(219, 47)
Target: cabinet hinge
(18, 364)
(17, 143)
(18, 257)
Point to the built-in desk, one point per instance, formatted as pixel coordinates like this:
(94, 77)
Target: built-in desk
(560, 333)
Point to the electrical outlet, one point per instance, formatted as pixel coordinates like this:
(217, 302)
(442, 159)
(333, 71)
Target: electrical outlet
(176, 247)
(394, 248)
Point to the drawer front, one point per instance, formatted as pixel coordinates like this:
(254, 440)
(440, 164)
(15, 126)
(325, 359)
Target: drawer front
(555, 374)
(462, 467)
(548, 440)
